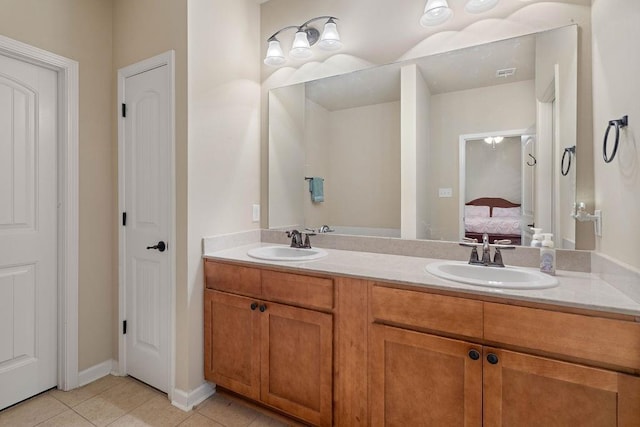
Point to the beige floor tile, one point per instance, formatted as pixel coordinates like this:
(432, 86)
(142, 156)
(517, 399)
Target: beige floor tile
(99, 411)
(197, 420)
(265, 421)
(32, 412)
(115, 402)
(66, 419)
(74, 397)
(157, 412)
(227, 412)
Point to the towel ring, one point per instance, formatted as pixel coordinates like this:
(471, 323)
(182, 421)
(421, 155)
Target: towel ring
(620, 123)
(571, 151)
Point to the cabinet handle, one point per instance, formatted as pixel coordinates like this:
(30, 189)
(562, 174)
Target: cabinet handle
(254, 305)
(474, 354)
(263, 308)
(492, 358)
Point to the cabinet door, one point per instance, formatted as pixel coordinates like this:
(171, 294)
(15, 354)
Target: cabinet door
(296, 361)
(524, 390)
(418, 379)
(232, 342)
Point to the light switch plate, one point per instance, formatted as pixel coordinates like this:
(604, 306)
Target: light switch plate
(256, 213)
(445, 192)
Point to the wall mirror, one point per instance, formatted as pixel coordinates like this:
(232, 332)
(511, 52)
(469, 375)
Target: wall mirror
(408, 149)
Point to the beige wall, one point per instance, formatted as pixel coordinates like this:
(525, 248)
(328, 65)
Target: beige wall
(453, 114)
(224, 140)
(81, 30)
(287, 134)
(616, 67)
(364, 169)
(316, 162)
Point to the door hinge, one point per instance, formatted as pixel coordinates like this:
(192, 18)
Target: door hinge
(124, 218)
(124, 110)
(124, 327)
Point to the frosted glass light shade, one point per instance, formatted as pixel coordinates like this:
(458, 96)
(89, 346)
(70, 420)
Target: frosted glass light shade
(275, 55)
(300, 48)
(330, 39)
(435, 12)
(479, 6)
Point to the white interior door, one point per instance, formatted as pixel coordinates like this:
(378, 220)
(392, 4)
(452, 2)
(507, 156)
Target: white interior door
(28, 230)
(529, 165)
(147, 183)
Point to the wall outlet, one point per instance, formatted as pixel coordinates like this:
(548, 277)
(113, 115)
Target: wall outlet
(445, 192)
(256, 213)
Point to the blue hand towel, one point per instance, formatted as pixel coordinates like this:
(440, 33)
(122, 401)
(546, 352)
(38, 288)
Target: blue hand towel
(316, 189)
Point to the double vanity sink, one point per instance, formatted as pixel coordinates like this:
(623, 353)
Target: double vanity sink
(457, 271)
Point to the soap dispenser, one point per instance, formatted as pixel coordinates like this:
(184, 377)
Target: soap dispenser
(548, 255)
(536, 241)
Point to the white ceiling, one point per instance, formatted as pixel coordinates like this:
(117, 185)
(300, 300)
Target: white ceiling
(448, 72)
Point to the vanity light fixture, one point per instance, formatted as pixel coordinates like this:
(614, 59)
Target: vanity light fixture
(437, 12)
(493, 140)
(306, 36)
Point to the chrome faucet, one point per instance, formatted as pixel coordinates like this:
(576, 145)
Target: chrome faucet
(486, 251)
(325, 229)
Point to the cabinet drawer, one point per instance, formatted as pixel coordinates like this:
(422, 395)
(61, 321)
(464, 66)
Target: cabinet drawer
(314, 292)
(427, 311)
(232, 278)
(608, 341)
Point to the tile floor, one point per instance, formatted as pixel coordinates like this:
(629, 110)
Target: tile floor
(124, 401)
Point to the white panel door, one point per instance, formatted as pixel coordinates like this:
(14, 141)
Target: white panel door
(147, 203)
(529, 165)
(28, 230)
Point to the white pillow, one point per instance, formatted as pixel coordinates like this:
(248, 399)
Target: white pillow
(506, 212)
(481, 211)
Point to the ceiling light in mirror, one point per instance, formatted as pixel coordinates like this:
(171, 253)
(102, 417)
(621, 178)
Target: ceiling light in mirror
(479, 6)
(435, 12)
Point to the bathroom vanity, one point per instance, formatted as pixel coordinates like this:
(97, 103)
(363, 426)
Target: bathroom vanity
(372, 339)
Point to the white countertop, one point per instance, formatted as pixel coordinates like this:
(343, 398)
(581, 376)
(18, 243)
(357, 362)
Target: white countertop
(580, 290)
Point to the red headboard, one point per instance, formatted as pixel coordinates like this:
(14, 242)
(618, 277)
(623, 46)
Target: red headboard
(493, 202)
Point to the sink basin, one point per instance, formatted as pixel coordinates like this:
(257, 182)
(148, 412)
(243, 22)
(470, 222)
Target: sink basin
(286, 253)
(492, 277)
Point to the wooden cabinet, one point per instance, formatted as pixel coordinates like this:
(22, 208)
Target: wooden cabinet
(424, 380)
(232, 342)
(576, 373)
(524, 390)
(350, 352)
(296, 362)
(277, 354)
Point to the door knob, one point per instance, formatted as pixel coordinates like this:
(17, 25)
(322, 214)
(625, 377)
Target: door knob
(492, 358)
(474, 354)
(161, 246)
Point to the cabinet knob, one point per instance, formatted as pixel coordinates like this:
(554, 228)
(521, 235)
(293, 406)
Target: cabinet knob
(492, 358)
(474, 354)
(254, 305)
(263, 308)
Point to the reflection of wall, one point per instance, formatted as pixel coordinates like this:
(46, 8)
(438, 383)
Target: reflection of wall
(616, 67)
(415, 142)
(286, 156)
(317, 163)
(557, 50)
(364, 146)
(465, 112)
(494, 172)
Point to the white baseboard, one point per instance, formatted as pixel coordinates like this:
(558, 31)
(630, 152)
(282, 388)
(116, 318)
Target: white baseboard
(95, 372)
(186, 401)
